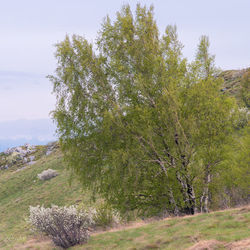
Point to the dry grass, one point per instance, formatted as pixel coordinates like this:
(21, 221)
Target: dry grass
(239, 245)
(42, 243)
(215, 244)
(206, 244)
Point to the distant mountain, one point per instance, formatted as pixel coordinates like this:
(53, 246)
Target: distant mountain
(19, 132)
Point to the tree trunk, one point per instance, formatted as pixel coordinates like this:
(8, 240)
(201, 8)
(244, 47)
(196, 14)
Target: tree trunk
(188, 193)
(205, 196)
(173, 203)
(192, 199)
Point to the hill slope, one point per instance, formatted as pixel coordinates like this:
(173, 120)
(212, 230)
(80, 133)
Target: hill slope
(228, 229)
(20, 188)
(218, 229)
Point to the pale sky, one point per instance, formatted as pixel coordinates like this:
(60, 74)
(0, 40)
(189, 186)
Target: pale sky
(29, 29)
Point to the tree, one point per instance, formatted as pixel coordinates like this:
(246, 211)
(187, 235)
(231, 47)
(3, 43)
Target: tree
(137, 123)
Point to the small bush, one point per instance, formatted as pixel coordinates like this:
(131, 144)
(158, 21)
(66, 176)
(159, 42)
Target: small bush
(66, 226)
(47, 174)
(105, 216)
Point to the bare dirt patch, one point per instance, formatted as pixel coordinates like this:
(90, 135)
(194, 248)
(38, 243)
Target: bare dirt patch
(243, 210)
(206, 245)
(121, 227)
(42, 243)
(214, 244)
(239, 245)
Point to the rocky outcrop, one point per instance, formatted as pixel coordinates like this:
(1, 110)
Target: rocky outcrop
(23, 151)
(51, 147)
(232, 81)
(25, 155)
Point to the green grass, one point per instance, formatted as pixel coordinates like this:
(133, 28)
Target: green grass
(19, 190)
(178, 233)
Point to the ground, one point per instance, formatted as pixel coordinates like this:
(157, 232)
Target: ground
(228, 229)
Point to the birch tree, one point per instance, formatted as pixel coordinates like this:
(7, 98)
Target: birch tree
(137, 123)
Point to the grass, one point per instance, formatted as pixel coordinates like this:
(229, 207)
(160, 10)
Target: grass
(221, 228)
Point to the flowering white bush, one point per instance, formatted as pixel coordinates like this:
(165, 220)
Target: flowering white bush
(244, 117)
(66, 226)
(47, 174)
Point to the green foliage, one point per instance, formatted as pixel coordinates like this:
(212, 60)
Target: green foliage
(137, 123)
(106, 216)
(66, 226)
(236, 174)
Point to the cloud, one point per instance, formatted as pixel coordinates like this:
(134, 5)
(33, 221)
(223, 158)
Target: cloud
(25, 96)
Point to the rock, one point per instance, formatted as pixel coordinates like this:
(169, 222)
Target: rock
(4, 167)
(47, 174)
(48, 152)
(23, 151)
(50, 147)
(31, 163)
(32, 158)
(21, 155)
(9, 151)
(18, 149)
(27, 145)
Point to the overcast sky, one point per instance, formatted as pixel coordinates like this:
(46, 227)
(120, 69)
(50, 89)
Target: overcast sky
(29, 29)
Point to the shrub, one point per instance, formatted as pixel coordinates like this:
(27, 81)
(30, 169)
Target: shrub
(47, 174)
(105, 216)
(66, 226)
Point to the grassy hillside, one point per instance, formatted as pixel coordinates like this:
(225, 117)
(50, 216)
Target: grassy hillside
(227, 229)
(21, 189)
(219, 229)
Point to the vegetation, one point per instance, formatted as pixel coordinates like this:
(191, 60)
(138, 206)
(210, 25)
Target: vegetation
(105, 216)
(21, 189)
(220, 230)
(138, 124)
(66, 226)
